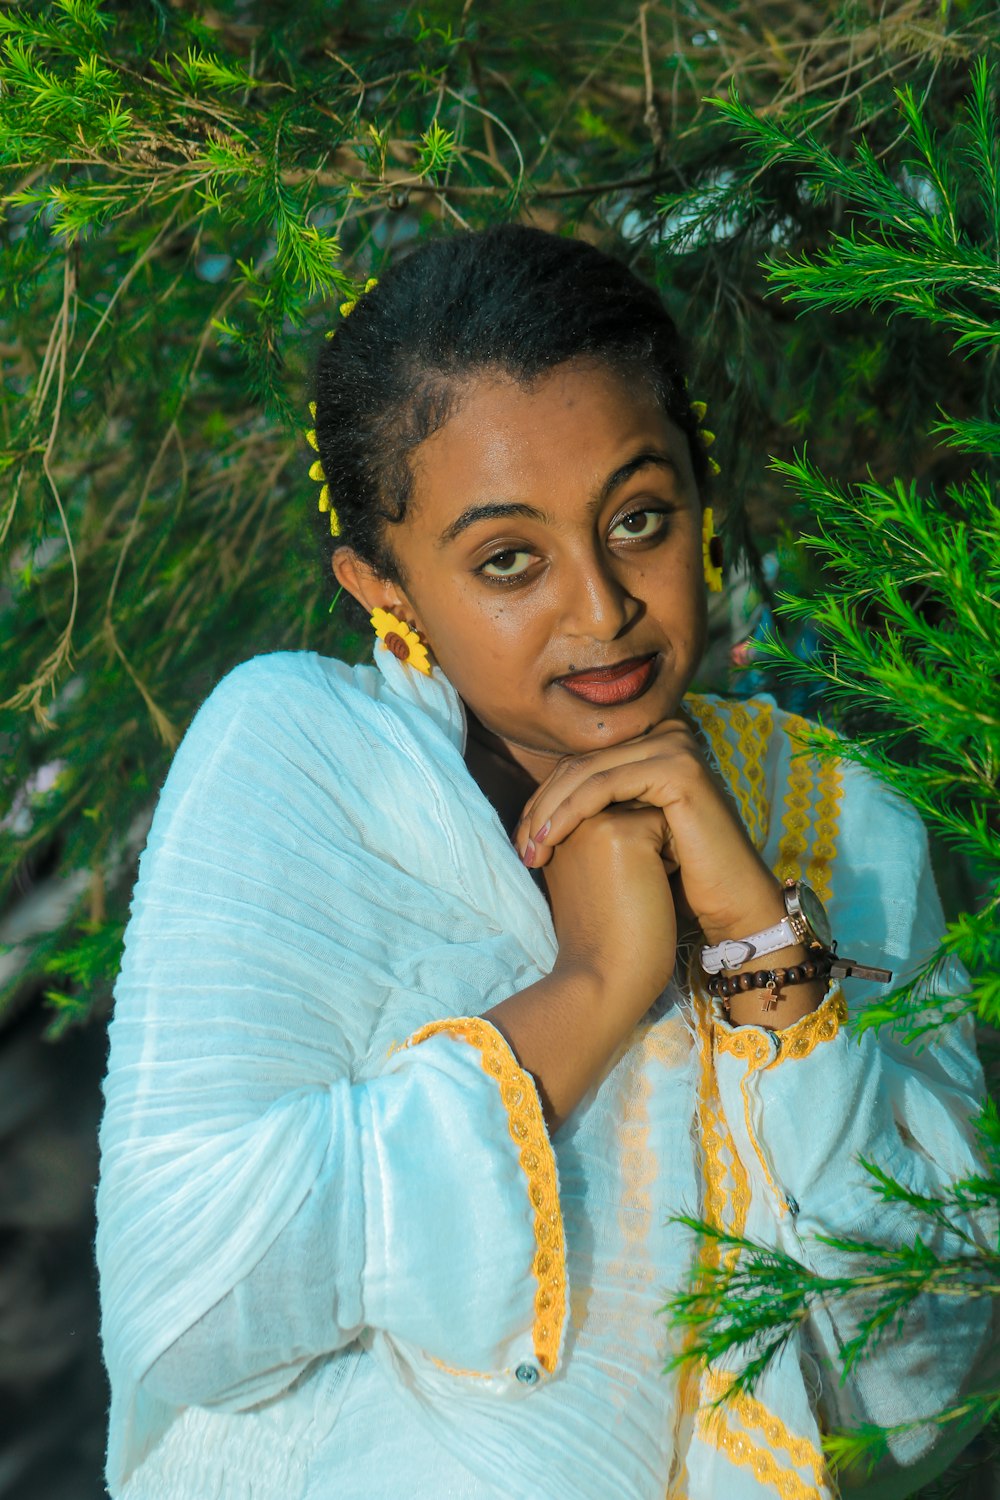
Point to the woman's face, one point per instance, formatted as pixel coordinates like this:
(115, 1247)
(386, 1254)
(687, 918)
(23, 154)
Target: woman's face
(552, 530)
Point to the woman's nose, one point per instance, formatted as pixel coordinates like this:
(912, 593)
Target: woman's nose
(599, 605)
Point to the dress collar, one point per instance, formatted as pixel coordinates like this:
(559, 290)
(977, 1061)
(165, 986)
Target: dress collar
(432, 693)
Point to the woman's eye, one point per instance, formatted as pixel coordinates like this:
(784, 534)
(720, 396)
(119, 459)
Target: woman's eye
(640, 524)
(505, 564)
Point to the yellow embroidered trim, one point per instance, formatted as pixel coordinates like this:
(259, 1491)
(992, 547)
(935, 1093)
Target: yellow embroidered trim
(797, 1040)
(743, 1449)
(720, 1164)
(802, 817)
(687, 1399)
(754, 1414)
(750, 1044)
(751, 722)
(717, 1142)
(713, 726)
(715, 1200)
(821, 1025)
(795, 820)
(527, 1129)
(712, 1139)
(826, 822)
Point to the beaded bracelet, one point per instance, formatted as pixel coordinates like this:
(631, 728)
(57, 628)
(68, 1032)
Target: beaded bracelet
(772, 980)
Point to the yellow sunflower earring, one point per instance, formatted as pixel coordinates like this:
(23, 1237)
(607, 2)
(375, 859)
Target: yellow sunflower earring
(712, 555)
(401, 639)
(711, 552)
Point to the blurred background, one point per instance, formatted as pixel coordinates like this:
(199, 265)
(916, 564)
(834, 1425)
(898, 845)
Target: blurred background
(189, 192)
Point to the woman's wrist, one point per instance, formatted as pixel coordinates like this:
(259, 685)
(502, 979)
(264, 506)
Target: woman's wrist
(763, 906)
(565, 1027)
(783, 1006)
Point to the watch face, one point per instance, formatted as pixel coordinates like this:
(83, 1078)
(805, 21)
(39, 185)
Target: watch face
(815, 914)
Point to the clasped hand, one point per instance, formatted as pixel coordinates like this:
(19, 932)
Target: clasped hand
(720, 879)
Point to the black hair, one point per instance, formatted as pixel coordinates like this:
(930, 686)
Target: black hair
(510, 299)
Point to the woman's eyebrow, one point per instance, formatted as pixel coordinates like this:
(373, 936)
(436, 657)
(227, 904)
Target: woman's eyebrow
(658, 456)
(493, 510)
(496, 510)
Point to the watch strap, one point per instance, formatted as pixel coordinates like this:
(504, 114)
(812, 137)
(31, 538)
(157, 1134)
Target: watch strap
(735, 952)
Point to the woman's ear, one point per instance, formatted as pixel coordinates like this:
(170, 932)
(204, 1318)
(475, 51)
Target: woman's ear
(371, 591)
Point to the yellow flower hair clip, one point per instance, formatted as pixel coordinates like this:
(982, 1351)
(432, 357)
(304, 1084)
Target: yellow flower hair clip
(346, 308)
(705, 437)
(316, 472)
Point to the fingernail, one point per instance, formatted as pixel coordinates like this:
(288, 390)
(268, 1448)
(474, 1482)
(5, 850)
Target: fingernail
(529, 853)
(539, 836)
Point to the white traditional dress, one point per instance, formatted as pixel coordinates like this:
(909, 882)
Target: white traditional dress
(340, 1255)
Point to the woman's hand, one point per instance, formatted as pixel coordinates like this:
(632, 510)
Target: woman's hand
(613, 914)
(722, 879)
(612, 907)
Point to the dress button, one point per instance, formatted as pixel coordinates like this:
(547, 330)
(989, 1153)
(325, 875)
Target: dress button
(527, 1374)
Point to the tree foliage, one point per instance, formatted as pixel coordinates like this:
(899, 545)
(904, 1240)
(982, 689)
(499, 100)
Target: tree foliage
(189, 193)
(909, 617)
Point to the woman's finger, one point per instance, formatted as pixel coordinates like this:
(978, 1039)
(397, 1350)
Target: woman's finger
(639, 782)
(574, 770)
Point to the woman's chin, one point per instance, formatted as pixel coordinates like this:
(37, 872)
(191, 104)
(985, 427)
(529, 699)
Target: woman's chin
(594, 726)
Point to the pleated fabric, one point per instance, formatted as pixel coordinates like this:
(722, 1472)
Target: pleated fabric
(321, 1249)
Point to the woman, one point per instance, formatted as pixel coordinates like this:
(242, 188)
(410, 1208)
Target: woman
(407, 1083)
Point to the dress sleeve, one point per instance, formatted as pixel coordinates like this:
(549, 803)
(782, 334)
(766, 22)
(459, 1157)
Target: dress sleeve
(434, 1218)
(290, 1156)
(806, 1107)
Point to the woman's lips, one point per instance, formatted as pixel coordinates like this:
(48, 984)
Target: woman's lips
(614, 684)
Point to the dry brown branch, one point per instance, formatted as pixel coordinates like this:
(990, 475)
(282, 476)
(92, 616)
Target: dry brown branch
(29, 696)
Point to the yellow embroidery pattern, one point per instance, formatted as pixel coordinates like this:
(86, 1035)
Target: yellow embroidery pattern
(754, 1414)
(713, 726)
(751, 722)
(743, 1449)
(651, 1045)
(795, 820)
(750, 1044)
(798, 1040)
(527, 1129)
(807, 825)
(826, 823)
(720, 1165)
(821, 1025)
(687, 1406)
(720, 1159)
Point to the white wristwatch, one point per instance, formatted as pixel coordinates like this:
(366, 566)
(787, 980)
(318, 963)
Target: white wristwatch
(805, 921)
